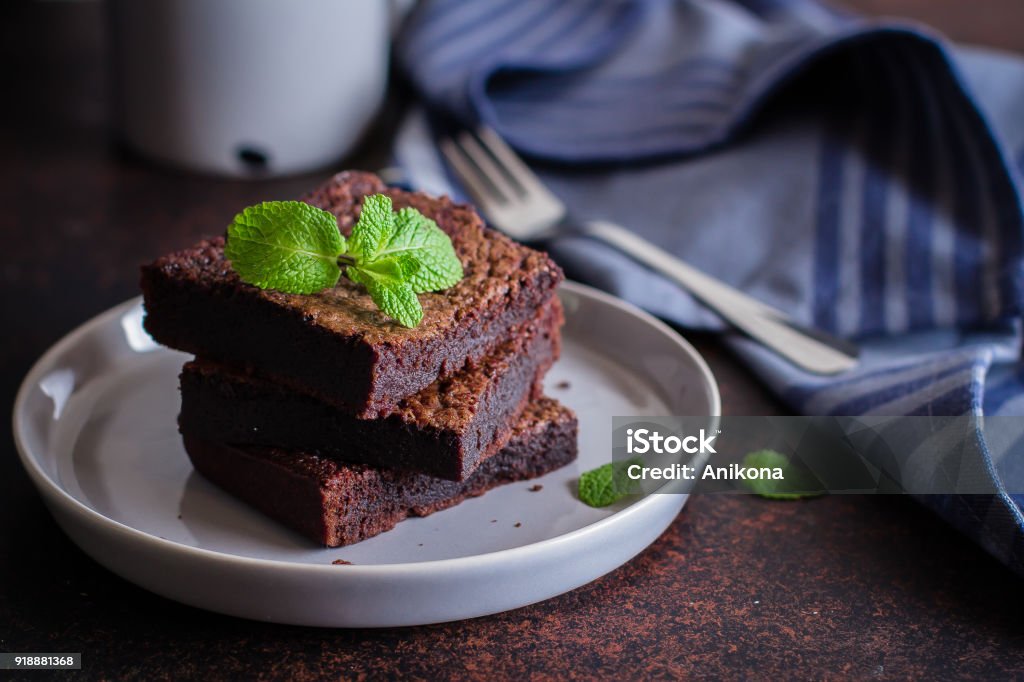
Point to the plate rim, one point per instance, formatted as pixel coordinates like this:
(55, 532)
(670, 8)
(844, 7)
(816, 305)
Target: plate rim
(51, 490)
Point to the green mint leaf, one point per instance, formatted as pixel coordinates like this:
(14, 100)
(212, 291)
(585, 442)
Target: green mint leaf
(797, 483)
(607, 484)
(375, 227)
(297, 248)
(285, 245)
(418, 237)
(386, 271)
(397, 256)
(386, 280)
(399, 303)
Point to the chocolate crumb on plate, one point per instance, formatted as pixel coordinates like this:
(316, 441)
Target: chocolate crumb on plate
(536, 487)
(341, 562)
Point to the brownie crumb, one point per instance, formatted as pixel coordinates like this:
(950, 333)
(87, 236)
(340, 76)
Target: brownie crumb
(563, 385)
(518, 524)
(420, 545)
(536, 487)
(341, 562)
(494, 520)
(179, 516)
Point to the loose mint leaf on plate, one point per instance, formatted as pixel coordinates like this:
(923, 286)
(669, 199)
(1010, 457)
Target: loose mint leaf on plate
(419, 237)
(797, 482)
(285, 245)
(607, 484)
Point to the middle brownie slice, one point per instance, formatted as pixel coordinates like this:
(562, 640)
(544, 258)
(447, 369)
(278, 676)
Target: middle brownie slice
(446, 430)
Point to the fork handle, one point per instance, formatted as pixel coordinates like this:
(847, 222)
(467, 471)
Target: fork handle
(810, 349)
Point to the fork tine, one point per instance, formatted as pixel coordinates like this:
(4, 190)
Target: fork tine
(514, 166)
(483, 161)
(521, 211)
(468, 174)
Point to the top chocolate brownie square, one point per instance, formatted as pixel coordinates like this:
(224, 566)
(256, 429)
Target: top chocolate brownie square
(337, 345)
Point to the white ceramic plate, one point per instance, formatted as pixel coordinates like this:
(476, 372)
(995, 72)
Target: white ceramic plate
(95, 428)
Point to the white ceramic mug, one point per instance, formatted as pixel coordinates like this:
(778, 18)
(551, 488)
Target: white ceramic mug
(247, 88)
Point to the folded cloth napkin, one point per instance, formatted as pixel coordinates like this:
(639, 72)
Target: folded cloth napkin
(862, 176)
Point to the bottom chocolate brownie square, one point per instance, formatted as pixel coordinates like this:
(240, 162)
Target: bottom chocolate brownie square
(338, 504)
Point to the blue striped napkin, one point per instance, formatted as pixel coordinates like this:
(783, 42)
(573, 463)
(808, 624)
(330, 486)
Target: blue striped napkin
(865, 177)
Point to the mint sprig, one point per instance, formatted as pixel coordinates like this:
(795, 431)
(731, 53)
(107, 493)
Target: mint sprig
(296, 248)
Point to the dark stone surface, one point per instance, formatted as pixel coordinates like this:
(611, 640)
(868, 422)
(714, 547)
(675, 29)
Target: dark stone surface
(737, 588)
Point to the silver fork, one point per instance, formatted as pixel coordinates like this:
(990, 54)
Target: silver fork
(517, 202)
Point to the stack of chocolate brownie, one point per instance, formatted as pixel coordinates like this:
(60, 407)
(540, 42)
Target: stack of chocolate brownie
(329, 417)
